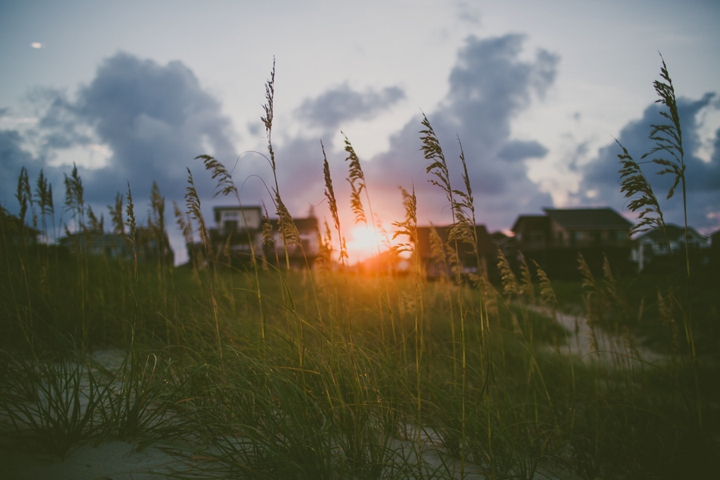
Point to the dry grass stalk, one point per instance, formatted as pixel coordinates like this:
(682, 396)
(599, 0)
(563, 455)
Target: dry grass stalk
(332, 202)
(439, 252)
(668, 141)
(438, 165)
(667, 314)
(511, 287)
(668, 136)
(74, 196)
(44, 198)
(464, 208)
(636, 187)
(526, 286)
(268, 108)
(96, 225)
(407, 227)
(116, 215)
(132, 224)
(225, 184)
(192, 203)
(184, 222)
(356, 179)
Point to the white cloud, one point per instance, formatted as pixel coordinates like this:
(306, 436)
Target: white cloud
(90, 157)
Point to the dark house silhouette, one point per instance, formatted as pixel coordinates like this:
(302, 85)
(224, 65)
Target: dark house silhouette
(150, 246)
(652, 255)
(555, 239)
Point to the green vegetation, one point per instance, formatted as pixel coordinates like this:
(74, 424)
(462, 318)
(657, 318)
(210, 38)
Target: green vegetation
(272, 373)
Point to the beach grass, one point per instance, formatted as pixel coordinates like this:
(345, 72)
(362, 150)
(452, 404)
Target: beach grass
(268, 372)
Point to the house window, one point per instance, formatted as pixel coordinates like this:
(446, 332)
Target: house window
(620, 236)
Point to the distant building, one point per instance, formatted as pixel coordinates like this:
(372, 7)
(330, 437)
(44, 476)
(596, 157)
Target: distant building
(555, 239)
(652, 254)
(572, 228)
(149, 247)
(238, 235)
(300, 256)
(108, 244)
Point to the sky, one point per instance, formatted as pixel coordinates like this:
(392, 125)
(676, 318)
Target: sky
(537, 93)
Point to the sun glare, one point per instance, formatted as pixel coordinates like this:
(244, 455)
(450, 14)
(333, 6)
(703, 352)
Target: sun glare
(364, 242)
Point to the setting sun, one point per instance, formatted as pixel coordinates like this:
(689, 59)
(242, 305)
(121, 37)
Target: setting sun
(365, 241)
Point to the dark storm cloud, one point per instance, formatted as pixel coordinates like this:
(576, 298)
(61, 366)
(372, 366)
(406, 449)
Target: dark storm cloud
(488, 87)
(601, 177)
(61, 125)
(518, 150)
(154, 118)
(341, 104)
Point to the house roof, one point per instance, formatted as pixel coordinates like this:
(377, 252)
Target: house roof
(674, 232)
(531, 222)
(587, 218)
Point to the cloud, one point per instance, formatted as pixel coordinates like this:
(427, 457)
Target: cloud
(489, 86)
(341, 105)
(156, 118)
(703, 178)
(518, 150)
(153, 118)
(468, 12)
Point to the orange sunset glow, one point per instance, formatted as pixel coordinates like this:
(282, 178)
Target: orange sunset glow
(366, 241)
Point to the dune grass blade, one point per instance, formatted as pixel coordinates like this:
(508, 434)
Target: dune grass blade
(668, 141)
(636, 187)
(356, 179)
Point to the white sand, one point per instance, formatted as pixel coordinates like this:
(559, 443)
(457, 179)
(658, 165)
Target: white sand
(110, 460)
